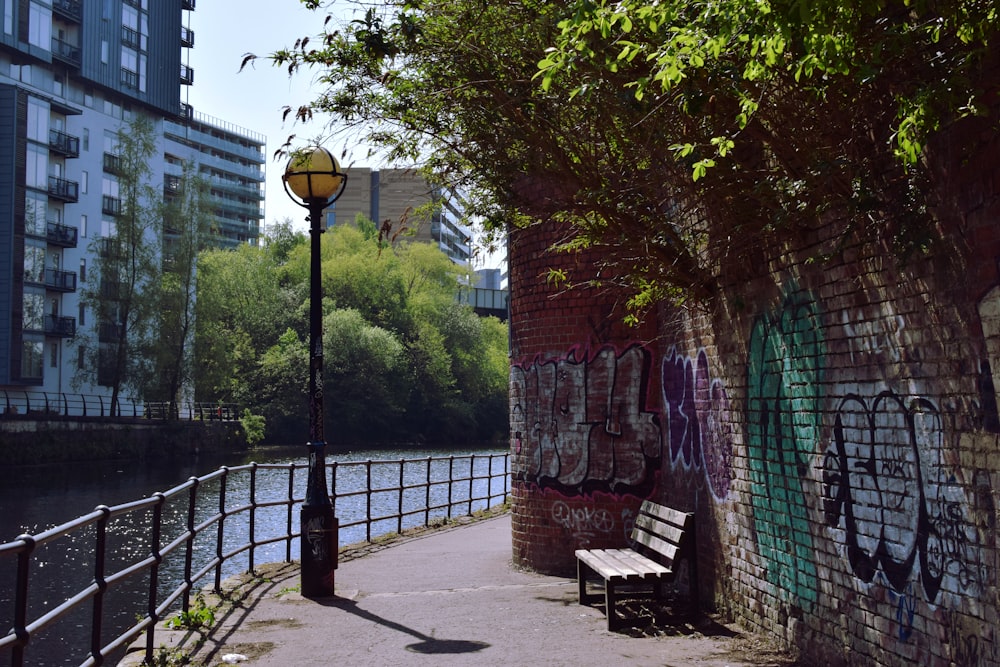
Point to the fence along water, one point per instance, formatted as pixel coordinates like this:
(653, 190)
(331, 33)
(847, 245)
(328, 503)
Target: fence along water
(139, 562)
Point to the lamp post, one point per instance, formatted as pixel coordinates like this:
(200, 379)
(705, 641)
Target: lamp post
(313, 180)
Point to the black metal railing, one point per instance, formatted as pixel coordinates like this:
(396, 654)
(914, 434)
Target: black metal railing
(23, 404)
(158, 549)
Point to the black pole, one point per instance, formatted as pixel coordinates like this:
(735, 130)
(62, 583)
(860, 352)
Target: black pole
(318, 523)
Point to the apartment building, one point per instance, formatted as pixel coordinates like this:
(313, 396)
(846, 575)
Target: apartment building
(72, 74)
(404, 200)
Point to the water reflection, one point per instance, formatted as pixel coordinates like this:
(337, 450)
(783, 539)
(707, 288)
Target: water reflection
(32, 500)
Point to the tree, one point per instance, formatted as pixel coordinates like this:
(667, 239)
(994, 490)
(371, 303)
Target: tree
(123, 294)
(187, 223)
(680, 138)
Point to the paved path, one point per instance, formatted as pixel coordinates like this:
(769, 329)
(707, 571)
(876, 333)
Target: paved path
(447, 597)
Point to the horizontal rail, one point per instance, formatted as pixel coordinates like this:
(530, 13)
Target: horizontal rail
(25, 404)
(153, 552)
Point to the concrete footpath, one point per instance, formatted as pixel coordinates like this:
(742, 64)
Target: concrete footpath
(449, 596)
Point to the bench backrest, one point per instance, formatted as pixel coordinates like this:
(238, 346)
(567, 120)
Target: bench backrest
(666, 531)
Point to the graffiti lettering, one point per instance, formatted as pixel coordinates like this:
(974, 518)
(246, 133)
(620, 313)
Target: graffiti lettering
(783, 422)
(699, 425)
(867, 337)
(580, 424)
(584, 523)
(899, 517)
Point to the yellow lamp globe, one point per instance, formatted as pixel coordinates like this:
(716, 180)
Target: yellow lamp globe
(313, 175)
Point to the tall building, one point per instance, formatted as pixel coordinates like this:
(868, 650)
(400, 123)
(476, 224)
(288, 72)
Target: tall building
(409, 204)
(72, 74)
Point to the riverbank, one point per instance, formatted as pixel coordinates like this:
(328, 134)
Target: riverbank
(35, 441)
(448, 595)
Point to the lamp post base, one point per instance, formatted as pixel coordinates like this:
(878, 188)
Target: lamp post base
(318, 549)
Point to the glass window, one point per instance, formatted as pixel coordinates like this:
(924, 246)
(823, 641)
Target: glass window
(54, 355)
(83, 226)
(83, 273)
(86, 139)
(34, 311)
(8, 17)
(80, 352)
(40, 26)
(37, 169)
(34, 264)
(38, 120)
(31, 359)
(35, 205)
(82, 315)
(84, 180)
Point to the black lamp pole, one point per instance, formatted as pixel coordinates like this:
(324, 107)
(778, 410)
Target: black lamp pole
(315, 178)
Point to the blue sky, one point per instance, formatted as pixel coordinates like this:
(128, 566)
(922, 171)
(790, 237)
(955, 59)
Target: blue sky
(224, 31)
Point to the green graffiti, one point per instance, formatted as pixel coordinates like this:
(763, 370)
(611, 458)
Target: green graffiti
(783, 420)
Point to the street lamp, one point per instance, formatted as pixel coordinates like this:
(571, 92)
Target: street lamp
(313, 180)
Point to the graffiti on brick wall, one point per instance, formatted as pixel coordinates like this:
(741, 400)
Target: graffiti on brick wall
(971, 642)
(785, 363)
(580, 424)
(878, 337)
(989, 368)
(904, 516)
(588, 523)
(699, 424)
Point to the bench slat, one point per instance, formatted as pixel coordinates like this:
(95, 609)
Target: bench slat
(667, 514)
(649, 566)
(664, 531)
(609, 566)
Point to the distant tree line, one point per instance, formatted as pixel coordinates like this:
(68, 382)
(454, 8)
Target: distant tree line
(404, 361)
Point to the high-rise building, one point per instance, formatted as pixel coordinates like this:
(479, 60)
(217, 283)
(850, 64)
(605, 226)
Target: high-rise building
(407, 204)
(73, 73)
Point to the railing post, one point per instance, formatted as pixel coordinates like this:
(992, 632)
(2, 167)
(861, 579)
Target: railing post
(451, 480)
(21, 601)
(288, 515)
(427, 495)
(253, 516)
(154, 572)
(100, 546)
(472, 479)
(223, 481)
(399, 513)
(368, 500)
(189, 546)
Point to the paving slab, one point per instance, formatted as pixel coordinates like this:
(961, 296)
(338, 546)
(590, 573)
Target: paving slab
(450, 596)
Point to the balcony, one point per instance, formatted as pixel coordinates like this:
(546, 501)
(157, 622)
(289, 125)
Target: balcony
(111, 249)
(60, 281)
(60, 235)
(67, 191)
(109, 332)
(130, 78)
(66, 52)
(188, 5)
(187, 75)
(70, 10)
(60, 326)
(111, 205)
(130, 37)
(112, 164)
(187, 37)
(172, 185)
(63, 143)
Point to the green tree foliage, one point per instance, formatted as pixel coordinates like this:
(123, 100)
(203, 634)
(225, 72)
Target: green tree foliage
(187, 226)
(403, 360)
(682, 138)
(122, 293)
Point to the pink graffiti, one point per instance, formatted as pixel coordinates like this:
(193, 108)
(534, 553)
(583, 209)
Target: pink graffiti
(699, 424)
(579, 423)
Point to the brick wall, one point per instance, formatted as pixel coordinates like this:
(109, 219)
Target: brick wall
(834, 426)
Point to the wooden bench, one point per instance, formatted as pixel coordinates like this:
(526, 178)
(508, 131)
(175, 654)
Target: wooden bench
(663, 538)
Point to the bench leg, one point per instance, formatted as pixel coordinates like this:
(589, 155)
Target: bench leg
(609, 605)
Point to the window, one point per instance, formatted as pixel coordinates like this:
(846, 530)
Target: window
(38, 120)
(82, 315)
(80, 352)
(104, 51)
(84, 179)
(34, 311)
(8, 18)
(37, 168)
(40, 26)
(34, 264)
(86, 139)
(54, 355)
(31, 359)
(83, 273)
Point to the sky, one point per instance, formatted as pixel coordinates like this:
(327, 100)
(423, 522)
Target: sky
(253, 99)
(226, 30)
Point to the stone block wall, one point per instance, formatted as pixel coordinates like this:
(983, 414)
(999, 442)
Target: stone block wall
(833, 425)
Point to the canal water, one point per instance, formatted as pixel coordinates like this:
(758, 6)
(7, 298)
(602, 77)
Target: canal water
(33, 499)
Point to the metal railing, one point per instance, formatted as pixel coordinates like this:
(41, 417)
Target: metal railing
(152, 553)
(24, 404)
